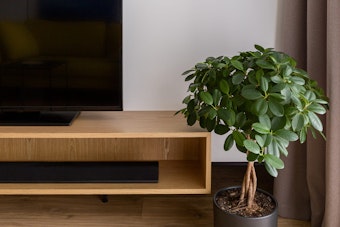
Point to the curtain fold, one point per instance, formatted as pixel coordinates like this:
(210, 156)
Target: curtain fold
(332, 203)
(309, 187)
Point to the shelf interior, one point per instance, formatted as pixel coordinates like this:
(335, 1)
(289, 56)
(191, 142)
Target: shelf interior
(175, 177)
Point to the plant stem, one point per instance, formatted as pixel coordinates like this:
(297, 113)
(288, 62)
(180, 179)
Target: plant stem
(249, 185)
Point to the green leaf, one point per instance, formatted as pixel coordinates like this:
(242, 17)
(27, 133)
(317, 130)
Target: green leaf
(226, 59)
(321, 101)
(224, 86)
(274, 161)
(251, 146)
(303, 135)
(265, 64)
(287, 135)
(187, 99)
(282, 149)
(259, 74)
(193, 86)
(191, 105)
(240, 119)
(210, 123)
(226, 102)
(315, 121)
(238, 100)
(310, 95)
(205, 78)
(277, 97)
(221, 129)
(251, 157)
(268, 139)
(237, 64)
(260, 141)
(296, 101)
(259, 48)
(276, 108)
(252, 78)
(210, 59)
(241, 148)
(323, 135)
(229, 142)
(316, 108)
(287, 70)
(278, 123)
(276, 57)
(238, 137)
(204, 111)
(260, 128)
(297, 89)
(313, 132)
(271, 170)
(249, 92)
(190, 77)
(273, 148)
(212, 75)
(260, 107)
(212, 113)
(188, 71)
(298, 122)
(278, 87)
(260, 158)
(264, 84)
(191, 119)
(227, 115)
(301, 72)
(216, 96)
(206, 97)
(282, 141)
(237, 78)
(276, 79)
(265, 120)
(202, 66)
(297, 80)
(203, 122)
(220, 65)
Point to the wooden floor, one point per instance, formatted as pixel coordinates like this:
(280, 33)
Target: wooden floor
(167, 211)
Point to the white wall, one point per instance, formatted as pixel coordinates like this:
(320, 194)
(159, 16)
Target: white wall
(163, 38)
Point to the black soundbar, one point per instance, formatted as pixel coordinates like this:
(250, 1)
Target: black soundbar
(79, 172)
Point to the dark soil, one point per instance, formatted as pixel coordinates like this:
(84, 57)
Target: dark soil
(228, 201)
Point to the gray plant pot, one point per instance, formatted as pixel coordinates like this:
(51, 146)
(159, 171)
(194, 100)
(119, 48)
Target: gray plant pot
(224, 219)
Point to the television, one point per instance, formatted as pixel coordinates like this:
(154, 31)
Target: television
(58, 58)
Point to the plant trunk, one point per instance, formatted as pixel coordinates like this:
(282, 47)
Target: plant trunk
(249, 186)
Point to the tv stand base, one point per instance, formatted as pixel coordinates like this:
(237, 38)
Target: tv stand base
(182, 152)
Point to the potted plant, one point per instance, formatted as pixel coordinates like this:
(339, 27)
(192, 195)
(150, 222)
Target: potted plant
(261, 101)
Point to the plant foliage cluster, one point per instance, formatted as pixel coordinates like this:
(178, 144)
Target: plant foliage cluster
(259, 99)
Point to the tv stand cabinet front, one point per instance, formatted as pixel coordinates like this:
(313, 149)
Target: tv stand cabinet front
(183, 152)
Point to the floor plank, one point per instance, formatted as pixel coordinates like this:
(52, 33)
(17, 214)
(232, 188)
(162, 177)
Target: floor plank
(292, 223)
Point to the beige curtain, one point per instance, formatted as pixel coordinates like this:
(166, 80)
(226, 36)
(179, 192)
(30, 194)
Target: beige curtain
(309, 187)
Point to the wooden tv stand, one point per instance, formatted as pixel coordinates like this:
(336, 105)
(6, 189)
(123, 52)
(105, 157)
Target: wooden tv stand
(183, 152)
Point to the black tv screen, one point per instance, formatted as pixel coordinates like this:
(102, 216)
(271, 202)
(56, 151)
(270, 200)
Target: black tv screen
(60, 56)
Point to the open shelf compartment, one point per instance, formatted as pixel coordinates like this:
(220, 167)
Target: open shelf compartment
(183, 152)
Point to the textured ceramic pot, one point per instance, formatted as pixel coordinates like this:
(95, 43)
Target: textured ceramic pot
(224, 219)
